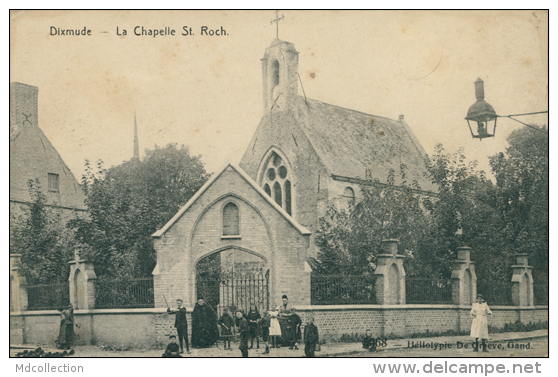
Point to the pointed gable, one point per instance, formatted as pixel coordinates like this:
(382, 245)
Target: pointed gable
(252, 184)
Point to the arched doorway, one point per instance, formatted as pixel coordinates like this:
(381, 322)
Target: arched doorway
(233, 278)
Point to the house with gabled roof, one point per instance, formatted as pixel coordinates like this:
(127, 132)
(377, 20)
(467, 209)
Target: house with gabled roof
(32, 157)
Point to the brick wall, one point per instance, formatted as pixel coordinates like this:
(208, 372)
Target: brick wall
(150, 328)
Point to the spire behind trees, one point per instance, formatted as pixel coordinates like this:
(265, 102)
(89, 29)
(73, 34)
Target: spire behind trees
(136, 141)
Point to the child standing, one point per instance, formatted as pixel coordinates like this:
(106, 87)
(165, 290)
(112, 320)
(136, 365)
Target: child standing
(226, 322)
(295, 322)
(274, 327)
(244, 331)
(369, 342)
(311, 338)
(253, 318)
(264, 323)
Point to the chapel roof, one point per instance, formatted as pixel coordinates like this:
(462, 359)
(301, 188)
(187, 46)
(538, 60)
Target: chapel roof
(349, 142)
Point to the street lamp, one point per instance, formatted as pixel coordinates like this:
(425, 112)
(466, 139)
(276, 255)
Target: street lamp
(481, 113)
(483, 116)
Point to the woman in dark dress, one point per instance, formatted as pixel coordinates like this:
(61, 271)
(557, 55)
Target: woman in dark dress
(66, 334)
(204, 325)
(61, 341)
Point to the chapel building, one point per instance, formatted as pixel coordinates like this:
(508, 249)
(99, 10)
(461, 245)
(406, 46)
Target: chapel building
(253, 224)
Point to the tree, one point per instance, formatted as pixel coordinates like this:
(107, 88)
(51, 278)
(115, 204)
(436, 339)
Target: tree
(43, 242)
(129, 202)
(349, 240)
(522, 179)
(429, 227)
(463, 214)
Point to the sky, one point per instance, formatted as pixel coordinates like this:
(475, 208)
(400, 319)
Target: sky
(206, 91)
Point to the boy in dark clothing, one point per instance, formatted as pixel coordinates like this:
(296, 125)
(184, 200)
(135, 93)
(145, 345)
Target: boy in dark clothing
(311, 338)
(264, 323)
(181, 324)
(226, 322)
(253, 317)
(172, 349)
(369, 342)
(244, 332)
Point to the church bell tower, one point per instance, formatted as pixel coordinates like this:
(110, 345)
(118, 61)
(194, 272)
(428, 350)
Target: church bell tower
(280, 76)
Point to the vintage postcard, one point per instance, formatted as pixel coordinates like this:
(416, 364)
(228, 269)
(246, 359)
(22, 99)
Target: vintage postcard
(280, 184)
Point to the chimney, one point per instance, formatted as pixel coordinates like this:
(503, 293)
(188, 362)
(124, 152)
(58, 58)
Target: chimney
(401, 118)
(24, 104)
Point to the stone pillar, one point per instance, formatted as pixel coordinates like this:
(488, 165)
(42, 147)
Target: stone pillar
(522, 282)
(82, 284)
(463, 278)
(390, 275)
(18, 286)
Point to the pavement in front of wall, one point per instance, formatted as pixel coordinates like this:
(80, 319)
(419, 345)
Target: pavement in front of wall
(327, 350)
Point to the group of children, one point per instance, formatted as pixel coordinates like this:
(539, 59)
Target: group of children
(251, 325)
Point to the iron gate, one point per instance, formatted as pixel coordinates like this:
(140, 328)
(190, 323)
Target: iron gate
(234, 292)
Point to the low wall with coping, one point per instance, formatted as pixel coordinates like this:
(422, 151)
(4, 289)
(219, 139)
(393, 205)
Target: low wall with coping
(403, 320)
(150, 328)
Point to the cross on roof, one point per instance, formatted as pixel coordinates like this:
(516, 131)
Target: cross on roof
(276, 20)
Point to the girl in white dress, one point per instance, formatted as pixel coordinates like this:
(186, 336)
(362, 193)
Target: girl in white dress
(274, 327)
(479, 327)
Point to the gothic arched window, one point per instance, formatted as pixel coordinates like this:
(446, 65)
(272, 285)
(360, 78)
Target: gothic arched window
(274, 73)
(276, 180)
(231, 220)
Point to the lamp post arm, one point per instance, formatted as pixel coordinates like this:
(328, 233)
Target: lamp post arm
(525, 124)
(518, 115)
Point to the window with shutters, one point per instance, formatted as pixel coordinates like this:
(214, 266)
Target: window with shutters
(231, 226)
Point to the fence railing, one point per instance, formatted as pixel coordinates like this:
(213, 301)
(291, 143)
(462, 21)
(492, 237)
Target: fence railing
(342, 289)
(48, 296)
(540, 294)
(496, 293)
(427, 291)
(124, 293)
